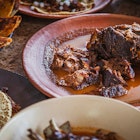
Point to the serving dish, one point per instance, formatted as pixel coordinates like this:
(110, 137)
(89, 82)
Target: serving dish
(34, 50)
(97, 112)
(99, 4)
(20, 89)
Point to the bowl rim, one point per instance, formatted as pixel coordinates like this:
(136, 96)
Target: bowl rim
(66, 98)
(70, 97)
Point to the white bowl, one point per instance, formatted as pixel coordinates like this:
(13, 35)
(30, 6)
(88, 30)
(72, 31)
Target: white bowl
(81, 111)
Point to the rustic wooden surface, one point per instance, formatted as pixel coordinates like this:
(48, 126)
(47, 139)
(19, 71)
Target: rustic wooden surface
(11, 56)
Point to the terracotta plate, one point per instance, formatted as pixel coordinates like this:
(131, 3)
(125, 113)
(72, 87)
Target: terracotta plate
(99, 4)
(34, 50)
(20, 89)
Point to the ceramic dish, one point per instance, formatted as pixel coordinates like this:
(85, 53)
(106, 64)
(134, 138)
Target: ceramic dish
(34, 50)
(99, 4)
(97, 112)
(20, 89)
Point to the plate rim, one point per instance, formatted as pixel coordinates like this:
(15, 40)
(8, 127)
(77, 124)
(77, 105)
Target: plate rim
(49, 92)
(22, 9)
